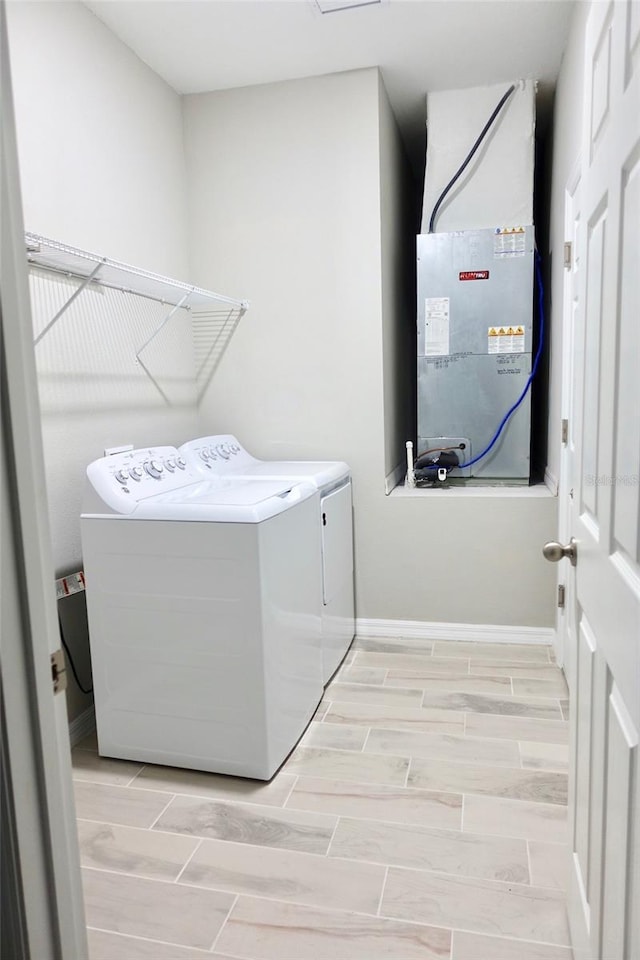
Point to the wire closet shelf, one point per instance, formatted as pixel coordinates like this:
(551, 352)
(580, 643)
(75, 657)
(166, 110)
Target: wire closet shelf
(90, 269)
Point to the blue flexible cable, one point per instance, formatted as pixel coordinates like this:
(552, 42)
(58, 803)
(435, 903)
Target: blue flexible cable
(536, 362)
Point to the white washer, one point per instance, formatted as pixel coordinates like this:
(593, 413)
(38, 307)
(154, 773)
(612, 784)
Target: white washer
(204, 616)
(223, 455)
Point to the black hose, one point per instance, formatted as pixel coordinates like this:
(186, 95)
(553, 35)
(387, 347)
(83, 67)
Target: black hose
(469, 156)
(70, 659)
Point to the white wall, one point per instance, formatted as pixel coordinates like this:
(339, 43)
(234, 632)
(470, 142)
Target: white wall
(99, 139)
(102, 168)
(286, 208)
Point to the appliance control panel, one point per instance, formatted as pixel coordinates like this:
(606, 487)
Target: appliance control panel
(217, 455)
(123, 479)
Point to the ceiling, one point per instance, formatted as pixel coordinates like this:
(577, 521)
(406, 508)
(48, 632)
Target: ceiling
(420, 45)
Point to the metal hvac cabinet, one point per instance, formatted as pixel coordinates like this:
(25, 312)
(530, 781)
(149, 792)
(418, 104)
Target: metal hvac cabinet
(475, 298)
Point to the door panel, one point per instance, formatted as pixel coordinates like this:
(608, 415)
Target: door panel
(593, 313)
(626, 518)
(605, 510)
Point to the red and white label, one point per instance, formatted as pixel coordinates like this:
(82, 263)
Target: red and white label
(74, 583)
(473, 275)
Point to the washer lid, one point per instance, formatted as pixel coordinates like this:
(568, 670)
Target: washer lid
(234, 501)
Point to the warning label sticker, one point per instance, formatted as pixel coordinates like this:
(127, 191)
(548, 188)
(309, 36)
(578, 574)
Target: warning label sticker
(436, 327)
(505, 340)
(509, 242)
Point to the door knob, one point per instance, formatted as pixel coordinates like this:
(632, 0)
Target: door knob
(555, 551)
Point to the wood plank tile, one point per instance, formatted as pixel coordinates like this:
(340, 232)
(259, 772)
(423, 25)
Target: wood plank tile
(517, 784)
(355, 674)
(268, 930)
(440, 746)
(248, 823)
(393, 645)
(398, 661)
(87, 765)
(116, 946)
(365, 693)
(195, 783)
(474, 946)
(451, 682)
(329, 736)
(424, 848)
(283, 875)
(132, 850)
(503, 909)
(545, 672)
(438, 809)
(549, 864)
(344, 765)
(516, 818)
(544, 756)
(483, 703)
(553, 687)
(452, 667)
(510, 652)
(111, 804)
(517, 728)
(397, 718)
(154, 909)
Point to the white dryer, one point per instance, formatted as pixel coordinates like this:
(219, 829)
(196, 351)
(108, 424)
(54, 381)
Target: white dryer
(204, 618)
(224, 455)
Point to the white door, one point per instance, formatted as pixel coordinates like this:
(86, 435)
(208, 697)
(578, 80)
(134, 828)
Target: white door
(43, 906)
(604, 893)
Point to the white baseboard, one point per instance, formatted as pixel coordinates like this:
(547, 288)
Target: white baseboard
(427, 630)
(82, 726)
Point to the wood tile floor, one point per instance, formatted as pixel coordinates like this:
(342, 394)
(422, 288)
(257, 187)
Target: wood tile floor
(423, 815)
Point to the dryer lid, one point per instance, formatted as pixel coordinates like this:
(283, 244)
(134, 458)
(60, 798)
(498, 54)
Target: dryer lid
(223, 455)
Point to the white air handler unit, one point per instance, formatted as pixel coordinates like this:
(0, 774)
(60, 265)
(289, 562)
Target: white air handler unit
(224, 454)
(204, 616)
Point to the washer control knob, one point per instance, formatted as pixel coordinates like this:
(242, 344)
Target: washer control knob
(122, 476)
(212, 453)
(223, 450)
(181, 462)
(204, 453)
(170, 464)
(154, 469)
(135, 473)
(235, 448)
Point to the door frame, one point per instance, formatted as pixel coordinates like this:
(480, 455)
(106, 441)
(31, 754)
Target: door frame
(564, 643)
(38, 810)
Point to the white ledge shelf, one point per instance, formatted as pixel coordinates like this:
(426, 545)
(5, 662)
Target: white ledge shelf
(540, 491)
(92, 270)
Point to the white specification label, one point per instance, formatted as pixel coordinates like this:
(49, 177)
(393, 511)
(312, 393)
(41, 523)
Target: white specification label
(505, 340)
(509, 242)
(436, 327)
